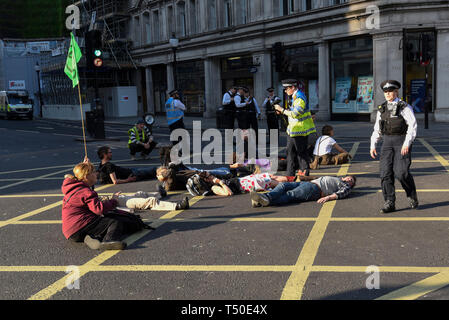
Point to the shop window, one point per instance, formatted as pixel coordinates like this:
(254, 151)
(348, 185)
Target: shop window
(191, 85)
(352, 83)
(419, 68)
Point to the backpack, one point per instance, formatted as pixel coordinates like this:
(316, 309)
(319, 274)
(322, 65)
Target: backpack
(197, 187)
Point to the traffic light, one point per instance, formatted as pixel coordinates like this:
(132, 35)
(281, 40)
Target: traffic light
(94, 52)
(277, 55)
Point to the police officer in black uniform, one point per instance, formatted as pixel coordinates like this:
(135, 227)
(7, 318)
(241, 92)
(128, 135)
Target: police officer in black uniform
(396, 125)
(253, 111)
(229, 107)
(241, 107)
(268, 104)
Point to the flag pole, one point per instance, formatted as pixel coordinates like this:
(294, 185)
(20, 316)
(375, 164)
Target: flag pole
(82, 120)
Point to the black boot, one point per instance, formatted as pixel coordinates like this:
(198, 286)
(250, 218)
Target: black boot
(161, 190)
(414, 203)
(388, 207)
(183, 205)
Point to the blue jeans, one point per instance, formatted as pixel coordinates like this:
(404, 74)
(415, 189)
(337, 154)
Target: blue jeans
(215, 172)
(144, 173)
(287, 192)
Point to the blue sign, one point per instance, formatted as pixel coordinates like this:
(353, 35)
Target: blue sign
(418, 94)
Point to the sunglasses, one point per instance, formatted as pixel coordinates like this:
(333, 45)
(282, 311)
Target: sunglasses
(389, 90)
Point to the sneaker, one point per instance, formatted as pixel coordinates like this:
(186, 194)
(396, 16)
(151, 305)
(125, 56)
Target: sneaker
(259, 198)
(414, 203)
(145, 157)
(388, 207)
(112, 245)
(133, 158)
(92, 243)
(183, 205)
(161, 190)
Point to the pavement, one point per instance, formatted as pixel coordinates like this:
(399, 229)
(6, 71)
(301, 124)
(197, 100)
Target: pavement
(342, 129)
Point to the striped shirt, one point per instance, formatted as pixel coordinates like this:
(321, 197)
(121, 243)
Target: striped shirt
(330, 185)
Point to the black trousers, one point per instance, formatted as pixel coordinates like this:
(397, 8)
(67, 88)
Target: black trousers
(394, 165)
(177, 125)
(272, 123)
(297, 156)
(242, 119)
(103, 228)
(134, 148)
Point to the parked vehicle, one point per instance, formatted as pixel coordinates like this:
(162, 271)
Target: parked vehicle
(16, 104)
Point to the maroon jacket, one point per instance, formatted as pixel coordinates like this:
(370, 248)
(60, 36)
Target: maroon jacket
(81, 206)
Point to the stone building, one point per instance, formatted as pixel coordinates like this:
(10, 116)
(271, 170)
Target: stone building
(341, 50)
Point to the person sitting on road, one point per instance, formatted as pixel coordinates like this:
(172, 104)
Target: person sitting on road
(86, 218)
(320, 189)
(323, 150)
(110, 173)
(140, 140)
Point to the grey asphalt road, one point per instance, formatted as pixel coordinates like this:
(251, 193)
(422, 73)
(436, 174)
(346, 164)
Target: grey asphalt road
(221, 248)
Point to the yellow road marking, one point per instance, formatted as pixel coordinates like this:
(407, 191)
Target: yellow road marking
(37, 211)
(436, 155)
(294, 287)
(59, 285)
(420, 288)
(31, 179)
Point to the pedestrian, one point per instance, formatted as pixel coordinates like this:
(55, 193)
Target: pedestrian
(110, 173)
(321, 190)
(300, 126)
(229, 107)
(175, 113)
(140, 140)
(396, 125)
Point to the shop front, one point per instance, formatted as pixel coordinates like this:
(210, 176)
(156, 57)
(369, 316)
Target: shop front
(237, 71)
(352, 81)
(191, 85)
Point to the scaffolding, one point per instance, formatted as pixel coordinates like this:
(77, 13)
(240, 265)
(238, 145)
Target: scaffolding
(111, 17)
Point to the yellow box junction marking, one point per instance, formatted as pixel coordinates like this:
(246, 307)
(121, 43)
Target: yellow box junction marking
(59, 285)
(295, 284)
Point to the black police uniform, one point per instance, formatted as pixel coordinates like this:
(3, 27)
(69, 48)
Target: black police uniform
(241, 113)
(393, 128)
(230, 111)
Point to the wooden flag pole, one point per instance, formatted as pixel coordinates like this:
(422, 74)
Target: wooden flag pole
(82, 120)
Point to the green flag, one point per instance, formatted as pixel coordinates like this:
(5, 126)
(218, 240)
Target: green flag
(73, 57)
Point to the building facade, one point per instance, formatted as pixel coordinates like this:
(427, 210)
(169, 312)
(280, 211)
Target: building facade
(340, 50)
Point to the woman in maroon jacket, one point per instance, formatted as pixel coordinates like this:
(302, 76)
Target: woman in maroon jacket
(85, 217)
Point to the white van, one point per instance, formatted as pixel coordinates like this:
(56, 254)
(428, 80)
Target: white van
(16, 104)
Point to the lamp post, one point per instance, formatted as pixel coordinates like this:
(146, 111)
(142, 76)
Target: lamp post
(37, 67)
(174, 45)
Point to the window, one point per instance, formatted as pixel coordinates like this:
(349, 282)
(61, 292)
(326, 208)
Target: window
(146, 22)
(137, 32)
(242, 11)
(283, 7)
(192, 15)
(227, 18)
(156, 27)
(212, 14)
(181, 15)
(170, 21)
(306, 5)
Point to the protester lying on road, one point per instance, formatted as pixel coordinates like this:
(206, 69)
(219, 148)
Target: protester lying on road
(150, 201)
(110, 173)
(258, 182)
(321, 189)
(86, 218)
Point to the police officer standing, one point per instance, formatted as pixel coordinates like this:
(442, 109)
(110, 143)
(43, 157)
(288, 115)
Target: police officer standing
(229, 107)
(241, 107)
(270, 112)
(396, 124)
(175, 112)
(253, 111)
(300, 126)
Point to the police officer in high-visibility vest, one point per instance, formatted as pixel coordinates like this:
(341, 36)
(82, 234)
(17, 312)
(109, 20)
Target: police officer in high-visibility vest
(300, 126)
(140, 140)
(229, 107)
(175, 112)
(396, 125)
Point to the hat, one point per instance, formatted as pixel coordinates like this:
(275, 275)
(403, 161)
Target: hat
(270, 89)
(289, 83)
(390, 84)
(140, 121)
(245, 89)
(172, 93)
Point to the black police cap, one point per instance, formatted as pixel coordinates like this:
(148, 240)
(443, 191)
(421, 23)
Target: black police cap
(390, 84)
(289, 83)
